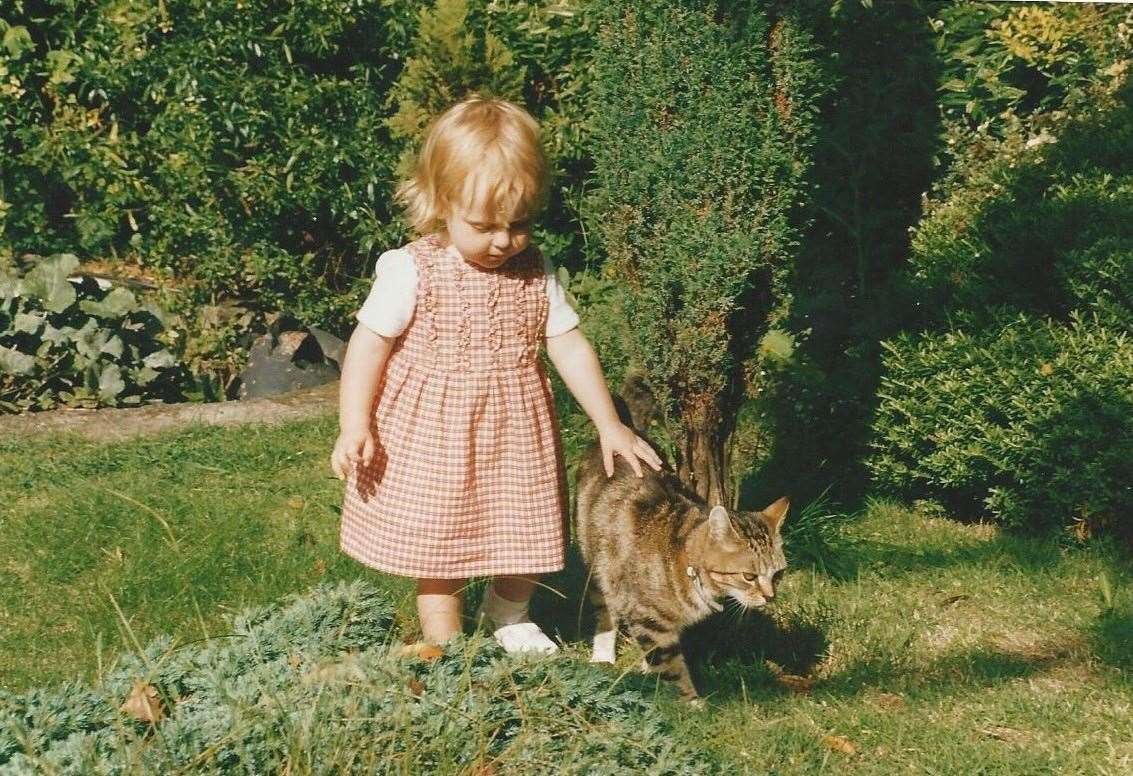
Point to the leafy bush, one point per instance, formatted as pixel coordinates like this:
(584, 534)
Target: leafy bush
(319, 685)
(1015, 402)
(62, 343)
(1040, 227)
(1004, 64)
(1028, 422)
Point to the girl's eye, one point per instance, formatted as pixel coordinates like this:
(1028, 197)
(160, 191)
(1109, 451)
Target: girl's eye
(749, 577)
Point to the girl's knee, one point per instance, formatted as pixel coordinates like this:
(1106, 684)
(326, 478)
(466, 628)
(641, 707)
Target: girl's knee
(430, 586)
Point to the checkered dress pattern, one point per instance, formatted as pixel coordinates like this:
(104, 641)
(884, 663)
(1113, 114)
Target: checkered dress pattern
(467, 477)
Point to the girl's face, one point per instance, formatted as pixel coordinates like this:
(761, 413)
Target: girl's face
(483, 241)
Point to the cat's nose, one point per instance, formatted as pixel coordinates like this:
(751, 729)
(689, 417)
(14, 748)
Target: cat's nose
(766, 589)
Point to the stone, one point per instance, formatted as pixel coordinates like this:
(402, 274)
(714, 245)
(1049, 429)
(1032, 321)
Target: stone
(293, 362)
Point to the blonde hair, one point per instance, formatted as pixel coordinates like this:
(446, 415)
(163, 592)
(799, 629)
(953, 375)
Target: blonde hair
(480, 152)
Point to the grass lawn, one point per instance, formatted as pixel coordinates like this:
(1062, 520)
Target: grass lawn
(900, 642)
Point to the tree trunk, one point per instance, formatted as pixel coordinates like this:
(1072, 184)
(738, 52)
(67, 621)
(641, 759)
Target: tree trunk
(702, 467)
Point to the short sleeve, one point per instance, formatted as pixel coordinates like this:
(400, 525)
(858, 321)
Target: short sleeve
(389, 306)
(561, 317)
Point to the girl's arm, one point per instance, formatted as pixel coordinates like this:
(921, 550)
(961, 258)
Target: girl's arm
(578, 365)
(362, 368)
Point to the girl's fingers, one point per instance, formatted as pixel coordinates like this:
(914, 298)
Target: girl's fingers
(608, 461)
(367, 451)
(633, 462)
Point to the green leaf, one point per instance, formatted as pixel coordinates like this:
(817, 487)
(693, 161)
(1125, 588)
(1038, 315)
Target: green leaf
(117, 304)
(13, 362)
(17, 40)
(160, 359)
(47, 281)
(113, 347)
(777, 344)
(110, 383)
(10, 286)
(28, 323)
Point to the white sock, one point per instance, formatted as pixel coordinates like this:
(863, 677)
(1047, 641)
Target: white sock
(501, 611)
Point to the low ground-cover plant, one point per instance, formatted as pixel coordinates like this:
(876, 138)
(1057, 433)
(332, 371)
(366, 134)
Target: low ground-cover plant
(1028, 422)
(320, 684)
(77, 344)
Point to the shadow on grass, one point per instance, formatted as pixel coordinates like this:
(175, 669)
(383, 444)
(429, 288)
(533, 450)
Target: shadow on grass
(1113, 639)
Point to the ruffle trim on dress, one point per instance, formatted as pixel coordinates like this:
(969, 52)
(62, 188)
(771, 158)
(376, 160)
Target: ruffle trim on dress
(427, 257)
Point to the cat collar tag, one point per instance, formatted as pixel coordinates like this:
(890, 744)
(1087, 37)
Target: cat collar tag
(695, 577)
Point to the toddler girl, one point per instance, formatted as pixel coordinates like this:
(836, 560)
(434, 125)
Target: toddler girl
(448, 436)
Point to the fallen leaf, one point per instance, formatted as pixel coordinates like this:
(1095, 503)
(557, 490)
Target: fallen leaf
(143, 703)
(296, 502)
(954, 599)
(888, 700)
(294, 661)
(416, 686)
(1004, 733)
(421, 650)
(796, 683)
(840, 744)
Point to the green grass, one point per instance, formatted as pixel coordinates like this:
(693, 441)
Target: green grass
(922, 644)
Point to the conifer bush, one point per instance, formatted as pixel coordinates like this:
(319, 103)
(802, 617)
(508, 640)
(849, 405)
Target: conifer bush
(320, 684)
(703, 118)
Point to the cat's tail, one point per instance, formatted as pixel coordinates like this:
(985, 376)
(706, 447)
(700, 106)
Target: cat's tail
(637, 406)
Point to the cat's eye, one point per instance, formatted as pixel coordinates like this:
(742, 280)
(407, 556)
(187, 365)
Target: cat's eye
(750, 577)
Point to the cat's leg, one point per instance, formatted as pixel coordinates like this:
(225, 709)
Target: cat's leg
(663, 656)
(606, 629)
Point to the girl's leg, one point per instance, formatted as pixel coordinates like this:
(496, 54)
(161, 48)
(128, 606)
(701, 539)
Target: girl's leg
(505, 606)
(517, 589)
(439, 608)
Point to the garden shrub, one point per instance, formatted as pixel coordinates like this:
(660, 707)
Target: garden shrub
(319, 684)
(78, 344)
(1028, 422)
(1041, 227)
(703, 117)
(1014, 400)
(245, 154)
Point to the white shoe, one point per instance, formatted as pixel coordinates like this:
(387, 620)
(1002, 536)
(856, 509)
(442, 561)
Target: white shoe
(518, 637)
(524, 637)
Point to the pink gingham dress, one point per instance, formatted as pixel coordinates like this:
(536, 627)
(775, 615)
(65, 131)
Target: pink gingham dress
(467, 477)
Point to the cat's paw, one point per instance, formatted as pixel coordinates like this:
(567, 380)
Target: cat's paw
(603, 649)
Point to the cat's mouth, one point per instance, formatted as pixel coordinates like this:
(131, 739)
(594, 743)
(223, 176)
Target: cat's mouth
(749, 601)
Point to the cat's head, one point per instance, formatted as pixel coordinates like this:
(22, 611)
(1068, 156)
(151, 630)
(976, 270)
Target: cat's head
(743, 557)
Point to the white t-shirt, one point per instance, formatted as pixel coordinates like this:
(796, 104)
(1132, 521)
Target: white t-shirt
(389, 306)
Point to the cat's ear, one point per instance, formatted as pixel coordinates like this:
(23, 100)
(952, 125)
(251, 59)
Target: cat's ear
(719, 524)
(774, 514)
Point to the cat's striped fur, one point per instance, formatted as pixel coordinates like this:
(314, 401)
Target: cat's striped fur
(660, 558)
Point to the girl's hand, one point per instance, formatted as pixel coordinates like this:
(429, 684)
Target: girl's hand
(354, 446)
(620, 440)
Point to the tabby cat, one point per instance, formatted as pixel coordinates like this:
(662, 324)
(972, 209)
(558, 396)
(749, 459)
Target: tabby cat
(660, 558)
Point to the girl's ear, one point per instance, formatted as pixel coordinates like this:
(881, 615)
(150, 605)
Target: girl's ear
(719, 524)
